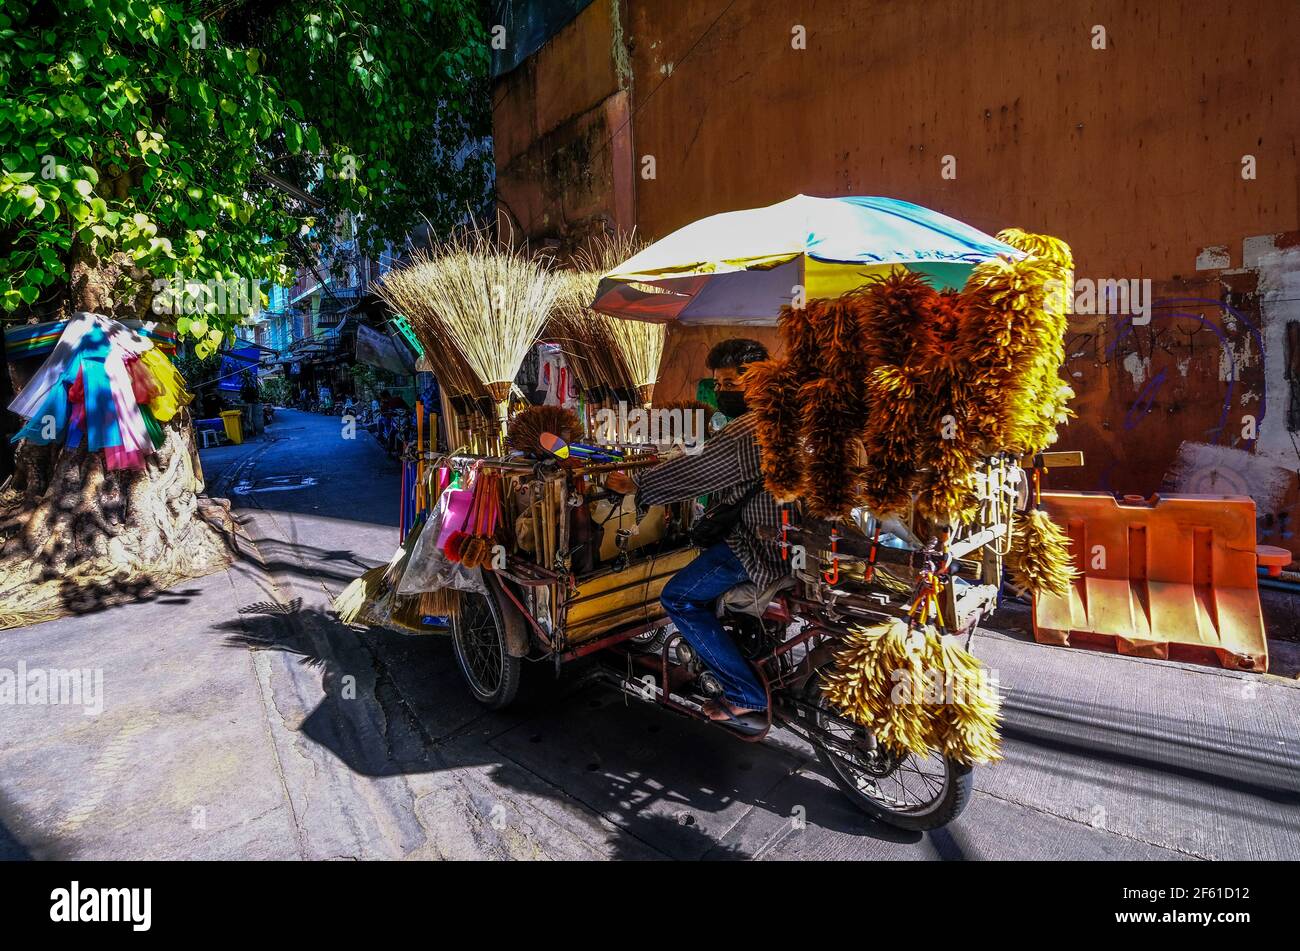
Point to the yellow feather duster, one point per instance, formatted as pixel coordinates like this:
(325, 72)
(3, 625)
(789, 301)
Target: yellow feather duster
(1039, 558)
(1016, 333)
(864, 685)
(916, 693)
(972, 708)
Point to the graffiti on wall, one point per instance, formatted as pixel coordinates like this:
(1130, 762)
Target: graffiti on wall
(1177, 405)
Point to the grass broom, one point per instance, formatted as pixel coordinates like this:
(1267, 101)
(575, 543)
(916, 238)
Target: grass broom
(638, 343)
(477, 297)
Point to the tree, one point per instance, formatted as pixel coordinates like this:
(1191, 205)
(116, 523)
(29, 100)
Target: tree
(166, 157)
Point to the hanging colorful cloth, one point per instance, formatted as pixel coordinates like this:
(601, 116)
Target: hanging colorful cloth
(50, 419)
(145, 387)
(55, 370)
(105, 383)
(173, 394)
(136, 443)
(101, 426)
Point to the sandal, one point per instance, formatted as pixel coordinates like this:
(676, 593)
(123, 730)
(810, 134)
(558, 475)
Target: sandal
(748, 723)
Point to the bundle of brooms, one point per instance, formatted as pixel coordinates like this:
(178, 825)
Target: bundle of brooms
(587, 339)
(475, 302)
(622, 355)
(372, 598)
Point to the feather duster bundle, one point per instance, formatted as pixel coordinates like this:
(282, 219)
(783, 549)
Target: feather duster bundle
(863, 686)
(525, 429)
(941, 342)
(798, 331)
(920, 384)
(1016, 334)
(890, 309)
(1039, 559)
(834, 409)
(916, 693)
(972, 706)
(889, 438)
(832, 412)
(772, 394)
(944, 444)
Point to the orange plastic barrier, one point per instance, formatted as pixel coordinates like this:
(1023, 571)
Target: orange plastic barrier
(1173, 578)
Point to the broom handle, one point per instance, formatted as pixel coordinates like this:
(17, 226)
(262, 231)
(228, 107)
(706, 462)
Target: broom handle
(419, 449)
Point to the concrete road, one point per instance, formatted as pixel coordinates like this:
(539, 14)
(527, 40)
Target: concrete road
(240, 720)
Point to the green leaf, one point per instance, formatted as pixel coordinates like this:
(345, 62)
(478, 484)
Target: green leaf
(72, 105)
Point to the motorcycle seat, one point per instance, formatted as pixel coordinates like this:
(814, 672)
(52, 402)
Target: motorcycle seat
(747, 599)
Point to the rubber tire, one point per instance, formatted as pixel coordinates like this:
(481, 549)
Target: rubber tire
(507, 689)
(956, 795)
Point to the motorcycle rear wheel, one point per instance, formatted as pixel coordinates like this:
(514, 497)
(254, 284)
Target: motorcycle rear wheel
(907, 792)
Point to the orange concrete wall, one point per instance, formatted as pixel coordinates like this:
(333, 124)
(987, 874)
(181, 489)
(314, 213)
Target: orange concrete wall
(1132, 154)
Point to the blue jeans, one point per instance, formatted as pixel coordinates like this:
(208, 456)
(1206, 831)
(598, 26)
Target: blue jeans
(689, 598)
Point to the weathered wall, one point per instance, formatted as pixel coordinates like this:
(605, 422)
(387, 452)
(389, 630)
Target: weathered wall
(562, 132)
(1133, 154)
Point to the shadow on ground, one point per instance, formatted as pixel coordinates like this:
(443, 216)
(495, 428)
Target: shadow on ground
(667, 782)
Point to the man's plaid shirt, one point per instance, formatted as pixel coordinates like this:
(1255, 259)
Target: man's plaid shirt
(726, 468)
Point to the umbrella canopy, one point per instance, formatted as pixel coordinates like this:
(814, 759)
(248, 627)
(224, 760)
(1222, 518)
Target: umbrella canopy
(742, 267)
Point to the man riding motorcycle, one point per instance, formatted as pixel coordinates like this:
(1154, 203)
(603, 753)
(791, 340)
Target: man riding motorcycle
(728, 469)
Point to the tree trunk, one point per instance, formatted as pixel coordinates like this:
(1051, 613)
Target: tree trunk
(75, 536)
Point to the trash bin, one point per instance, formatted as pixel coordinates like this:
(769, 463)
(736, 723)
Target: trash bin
(234, 428)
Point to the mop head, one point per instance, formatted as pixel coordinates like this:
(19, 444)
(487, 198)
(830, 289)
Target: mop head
(525, 430)
(915, 693)
(772, 393)
(1039, 559)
